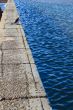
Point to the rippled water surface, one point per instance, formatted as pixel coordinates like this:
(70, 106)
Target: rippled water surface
(49, 31)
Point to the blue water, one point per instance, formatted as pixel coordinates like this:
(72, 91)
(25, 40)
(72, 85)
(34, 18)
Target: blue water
(2, 5)
(49, 31)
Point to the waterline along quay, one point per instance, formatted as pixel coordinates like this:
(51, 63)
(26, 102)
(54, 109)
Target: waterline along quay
(20, 85)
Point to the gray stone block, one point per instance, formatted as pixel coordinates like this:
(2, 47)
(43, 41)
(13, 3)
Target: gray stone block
(15, 56)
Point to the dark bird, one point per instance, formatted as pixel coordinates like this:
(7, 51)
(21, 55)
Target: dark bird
(16, 21)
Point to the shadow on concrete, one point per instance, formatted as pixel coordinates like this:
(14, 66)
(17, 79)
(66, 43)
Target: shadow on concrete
(1, 13)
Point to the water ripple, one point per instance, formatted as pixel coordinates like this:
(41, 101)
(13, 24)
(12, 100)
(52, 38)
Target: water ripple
(49, 31)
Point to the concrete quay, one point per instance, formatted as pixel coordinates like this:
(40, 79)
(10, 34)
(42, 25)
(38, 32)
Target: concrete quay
(20, 84)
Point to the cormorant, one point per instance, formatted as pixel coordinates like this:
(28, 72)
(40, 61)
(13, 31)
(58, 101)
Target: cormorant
(16, 21)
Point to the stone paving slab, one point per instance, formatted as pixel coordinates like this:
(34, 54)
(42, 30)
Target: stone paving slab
(24, 104)
(31, 60)
(18, 81)
(35, 87)
(13, 82)
(12, 44)
(16, 56)
(8, 32)
(20, 84)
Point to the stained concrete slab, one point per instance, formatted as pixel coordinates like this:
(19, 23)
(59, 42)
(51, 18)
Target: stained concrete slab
(15, 56)
(13, 44)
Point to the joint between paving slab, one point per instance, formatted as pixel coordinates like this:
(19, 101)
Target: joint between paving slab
(23, 40)
(27, 97)
(14, 48)
(1, 61)
(41, 105)
(16, 63)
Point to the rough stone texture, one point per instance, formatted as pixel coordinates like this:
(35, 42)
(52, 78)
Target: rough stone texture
(15, 56)
(13, 44)
(20, 84)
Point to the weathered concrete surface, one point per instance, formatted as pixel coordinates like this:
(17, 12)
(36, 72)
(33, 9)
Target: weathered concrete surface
(20, 84)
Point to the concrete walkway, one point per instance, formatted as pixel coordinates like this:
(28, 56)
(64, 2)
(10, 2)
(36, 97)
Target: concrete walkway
(20, 84)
